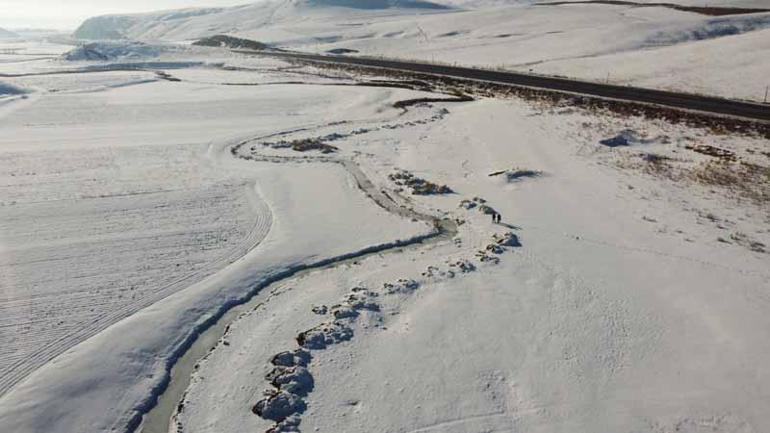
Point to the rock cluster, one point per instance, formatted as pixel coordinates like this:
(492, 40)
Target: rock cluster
(473, 203)
(290, 379)
(418, 185)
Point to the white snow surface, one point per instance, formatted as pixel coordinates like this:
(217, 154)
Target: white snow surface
(126, 225)
(634, 303)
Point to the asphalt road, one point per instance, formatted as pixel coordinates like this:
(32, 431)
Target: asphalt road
(707, 104)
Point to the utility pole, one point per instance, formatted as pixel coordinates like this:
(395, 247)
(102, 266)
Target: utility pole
(766, 89)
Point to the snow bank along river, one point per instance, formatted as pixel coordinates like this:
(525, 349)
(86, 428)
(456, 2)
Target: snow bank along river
(123, 199)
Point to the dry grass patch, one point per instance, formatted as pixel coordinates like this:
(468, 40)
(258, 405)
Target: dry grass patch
(738, 179)
(748, 180)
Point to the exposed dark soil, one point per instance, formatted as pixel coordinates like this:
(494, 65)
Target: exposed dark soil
(340, 51)
(411, 102)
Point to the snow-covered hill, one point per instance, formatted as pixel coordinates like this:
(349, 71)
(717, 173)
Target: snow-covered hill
(195, 23)
(586, 41)
(5, 34)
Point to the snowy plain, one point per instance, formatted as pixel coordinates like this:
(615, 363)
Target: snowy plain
(144, 195)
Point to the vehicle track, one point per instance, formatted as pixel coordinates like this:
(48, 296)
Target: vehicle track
(17, 371)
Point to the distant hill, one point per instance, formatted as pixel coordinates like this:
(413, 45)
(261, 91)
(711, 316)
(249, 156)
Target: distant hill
(188, 24)
(5, 34)
(132, 26)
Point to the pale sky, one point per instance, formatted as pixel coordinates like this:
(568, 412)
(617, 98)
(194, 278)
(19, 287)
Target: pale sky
(68, 14)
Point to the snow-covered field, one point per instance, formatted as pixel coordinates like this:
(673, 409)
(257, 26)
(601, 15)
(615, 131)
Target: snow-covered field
(621, 311)
(144, 194)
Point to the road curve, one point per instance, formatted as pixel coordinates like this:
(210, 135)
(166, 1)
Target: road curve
(685, 101)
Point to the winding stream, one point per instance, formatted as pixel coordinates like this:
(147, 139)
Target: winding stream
(158, 419)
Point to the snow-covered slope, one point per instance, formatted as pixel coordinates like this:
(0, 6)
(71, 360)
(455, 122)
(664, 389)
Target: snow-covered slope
(736, 66)
(129, 26)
